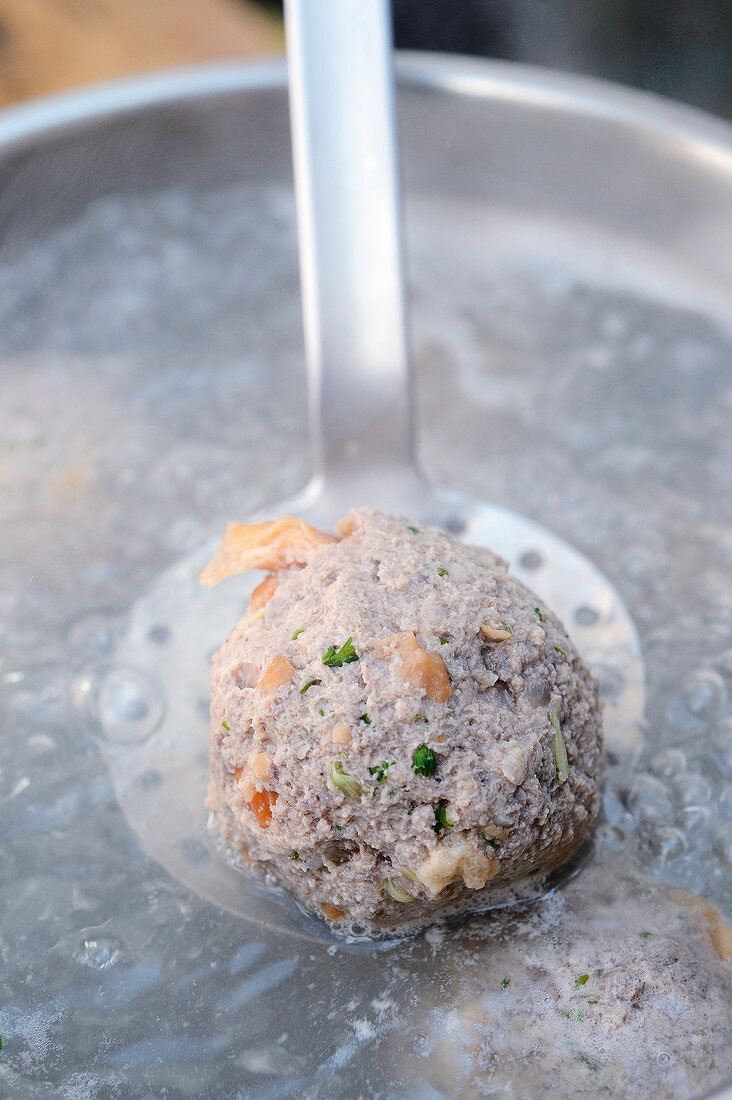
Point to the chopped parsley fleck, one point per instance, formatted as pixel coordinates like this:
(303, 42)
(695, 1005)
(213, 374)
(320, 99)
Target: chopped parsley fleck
(338, 828)
(505, 983)
(592, 1066)
(364, 718)
(558, 649)
(540, 613)
(309, 684)
(593, 1002)
(411, 810)
(441, 821)
(505, 626)
(424, 761)
(336, 658)
(443, 639)
(582, 980)
(295, 855)
(297, 634)
(491, 841)
(421, 718)
(226, 726)
(414, 530)
(442, 573)
(380, 770)
(645, 935)
(321, 712)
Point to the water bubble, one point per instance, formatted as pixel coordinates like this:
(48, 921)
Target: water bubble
(99, 952)
(663, 1058)
(421, 1043)
(616, 812)
(704, 694)
(130, 705)
(692, 789)
(722, 744)
(126, 702)
(722, 841)
(664, 843)
(648, 799)
(41, 696)
(668, 763)
(724, 802)
(93, 634)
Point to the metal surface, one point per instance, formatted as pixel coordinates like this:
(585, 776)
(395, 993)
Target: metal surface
(349, 220)
(570, 277)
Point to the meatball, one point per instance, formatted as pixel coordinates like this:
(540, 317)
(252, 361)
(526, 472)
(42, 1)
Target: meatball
(399, 728)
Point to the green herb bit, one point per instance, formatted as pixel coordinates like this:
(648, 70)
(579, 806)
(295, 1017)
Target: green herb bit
(380, 770)
(442, 573)
(443, 639)
(321, 712)
(645, 935)
(364, 718)
(441, 821)
(424, 761)
(351, 787)
(592, 1066)
(561, 760)
(295, 855)
(421, 718)
(411, 810)
(491, 841)
(558, 649)
(578, 1016)
(505, 983)
(414, 530)
(297, 633)
(338, 828)
(309, 684)
(505, 626)
(226, 726)
(582, 980)
(593, 1002)
(336, 658)
(540, 613)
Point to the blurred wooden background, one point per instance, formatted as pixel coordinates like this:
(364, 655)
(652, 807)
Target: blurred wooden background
(52, 45)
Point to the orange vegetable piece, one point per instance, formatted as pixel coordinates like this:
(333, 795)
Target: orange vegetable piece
(264, 592)
(332, 911)
(276, 544)
(262, 803)
(278, 672)
(419, 669)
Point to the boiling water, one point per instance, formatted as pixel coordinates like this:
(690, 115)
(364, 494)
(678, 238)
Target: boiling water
(152, 389)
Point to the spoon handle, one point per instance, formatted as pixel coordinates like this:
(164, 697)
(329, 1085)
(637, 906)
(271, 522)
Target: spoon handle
(341, 85)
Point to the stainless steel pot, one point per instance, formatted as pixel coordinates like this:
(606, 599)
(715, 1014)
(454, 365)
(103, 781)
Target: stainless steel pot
(571, 276)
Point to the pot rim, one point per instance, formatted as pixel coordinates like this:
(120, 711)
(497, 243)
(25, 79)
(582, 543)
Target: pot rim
(705, 137)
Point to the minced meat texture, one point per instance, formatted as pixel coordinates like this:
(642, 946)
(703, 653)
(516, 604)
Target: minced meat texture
(398, 725)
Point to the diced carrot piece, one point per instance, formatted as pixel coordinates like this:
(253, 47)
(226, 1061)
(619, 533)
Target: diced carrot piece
(422, 670)
(278, 672)
(332, 911)
(276, 544)
(264, 592)
(262, 803)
